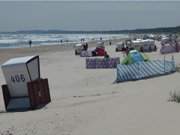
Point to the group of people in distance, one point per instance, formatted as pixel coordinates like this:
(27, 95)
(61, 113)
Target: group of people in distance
(85, 48)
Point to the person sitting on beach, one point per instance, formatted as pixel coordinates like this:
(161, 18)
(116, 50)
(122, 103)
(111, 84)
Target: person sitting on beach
(106, 56)
(94, 53)
(127, 50)
(141, 49)
(86, 46)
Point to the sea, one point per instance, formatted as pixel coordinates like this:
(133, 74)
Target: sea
(21, 40)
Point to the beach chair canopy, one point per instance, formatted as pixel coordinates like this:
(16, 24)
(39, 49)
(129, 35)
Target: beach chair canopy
(143, 42)
(19, 71)
(134, 56)
(24, 88)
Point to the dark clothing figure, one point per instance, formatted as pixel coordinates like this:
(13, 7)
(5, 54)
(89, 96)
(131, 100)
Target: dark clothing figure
(155, 48)
(86, 46)
(106, 55)
(94, 53)
(127, 50)
(110, 43)
(30, 43)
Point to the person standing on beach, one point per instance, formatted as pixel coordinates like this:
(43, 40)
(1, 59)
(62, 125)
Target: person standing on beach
(30, 43)
(110, 42)
(61, 41)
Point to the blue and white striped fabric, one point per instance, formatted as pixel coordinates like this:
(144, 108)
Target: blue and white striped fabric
(143, 69)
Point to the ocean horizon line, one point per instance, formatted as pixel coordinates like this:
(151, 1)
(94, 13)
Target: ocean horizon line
(126, 1)
(56, 31)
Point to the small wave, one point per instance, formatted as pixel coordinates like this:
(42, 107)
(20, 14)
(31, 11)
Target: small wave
(21, 40)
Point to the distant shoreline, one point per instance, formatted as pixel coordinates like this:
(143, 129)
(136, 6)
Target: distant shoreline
(22, 40)
(132, 31)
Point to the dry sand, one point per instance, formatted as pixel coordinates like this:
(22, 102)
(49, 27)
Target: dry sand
(87, 102)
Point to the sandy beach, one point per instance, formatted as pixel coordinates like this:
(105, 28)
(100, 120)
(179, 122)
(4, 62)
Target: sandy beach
(88, 102)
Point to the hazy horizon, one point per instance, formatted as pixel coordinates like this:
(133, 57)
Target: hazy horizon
(19, 16)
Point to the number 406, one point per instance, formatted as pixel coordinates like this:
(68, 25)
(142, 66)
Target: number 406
(18, 78)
